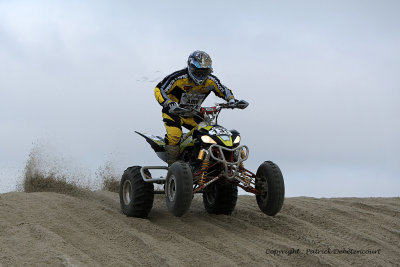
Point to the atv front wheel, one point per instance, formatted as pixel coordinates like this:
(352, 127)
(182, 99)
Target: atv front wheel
(179, 188)
(269, 182)
(220, 197)
(135, 195)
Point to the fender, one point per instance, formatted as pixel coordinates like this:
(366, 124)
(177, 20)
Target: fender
(157, 144)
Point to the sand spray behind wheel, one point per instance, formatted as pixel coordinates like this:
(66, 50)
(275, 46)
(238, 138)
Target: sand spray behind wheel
(48, 171)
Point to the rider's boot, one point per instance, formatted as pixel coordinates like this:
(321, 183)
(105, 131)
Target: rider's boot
(172, 153)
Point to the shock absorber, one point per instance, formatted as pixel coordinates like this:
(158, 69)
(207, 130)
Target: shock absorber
(204, 167)
(244, 176)
(242, 155)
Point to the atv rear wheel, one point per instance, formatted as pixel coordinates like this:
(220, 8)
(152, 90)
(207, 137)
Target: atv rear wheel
(135, 195)
(220, 197)
(269, 182)
(179, 188)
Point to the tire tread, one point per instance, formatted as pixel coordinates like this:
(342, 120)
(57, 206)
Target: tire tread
(276, 188)
(225, 201)
(183, 200)
(142, 195)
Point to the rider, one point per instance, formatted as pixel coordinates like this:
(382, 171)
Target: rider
(187, 87)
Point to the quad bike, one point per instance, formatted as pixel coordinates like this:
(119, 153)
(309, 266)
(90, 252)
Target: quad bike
(210, 162)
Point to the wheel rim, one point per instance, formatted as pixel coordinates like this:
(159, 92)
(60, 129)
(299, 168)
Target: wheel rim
(171, 189)
(127, 192)
(211, 193)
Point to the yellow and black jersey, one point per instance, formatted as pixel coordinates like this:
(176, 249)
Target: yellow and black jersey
(180, 88)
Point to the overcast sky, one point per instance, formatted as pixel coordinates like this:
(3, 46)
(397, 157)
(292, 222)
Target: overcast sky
(322, 78)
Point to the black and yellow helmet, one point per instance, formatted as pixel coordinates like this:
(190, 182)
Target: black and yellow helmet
(199, 66)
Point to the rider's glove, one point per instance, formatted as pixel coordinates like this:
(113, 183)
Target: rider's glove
(232, 101)
(172, 106)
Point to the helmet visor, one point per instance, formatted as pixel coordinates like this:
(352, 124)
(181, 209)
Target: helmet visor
(201, 73)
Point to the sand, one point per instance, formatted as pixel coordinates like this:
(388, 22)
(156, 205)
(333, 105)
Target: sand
(88, 229)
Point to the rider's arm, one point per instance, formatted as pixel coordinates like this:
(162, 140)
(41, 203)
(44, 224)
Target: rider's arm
(164, 88)
(162, 99)
(220, 90)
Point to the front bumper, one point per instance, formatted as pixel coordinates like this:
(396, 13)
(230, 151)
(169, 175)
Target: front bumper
(231, 168)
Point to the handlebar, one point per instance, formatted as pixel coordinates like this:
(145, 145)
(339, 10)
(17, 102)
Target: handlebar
(190, 112)
(241, 104)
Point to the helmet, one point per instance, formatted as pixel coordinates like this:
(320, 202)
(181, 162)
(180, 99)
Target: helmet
(199, 66)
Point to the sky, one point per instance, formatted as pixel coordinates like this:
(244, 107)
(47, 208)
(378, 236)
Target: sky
(322, 78)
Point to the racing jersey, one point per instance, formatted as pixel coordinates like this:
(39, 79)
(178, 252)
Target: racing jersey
(178, 87)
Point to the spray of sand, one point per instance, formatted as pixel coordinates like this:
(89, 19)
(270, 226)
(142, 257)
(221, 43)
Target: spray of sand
(108, 176)
(42, 175)
(47, 171)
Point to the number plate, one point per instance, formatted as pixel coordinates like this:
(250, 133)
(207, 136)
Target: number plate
(219, 130)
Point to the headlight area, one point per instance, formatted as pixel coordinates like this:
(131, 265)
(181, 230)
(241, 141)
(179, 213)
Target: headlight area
(237, 140)
(207, 139)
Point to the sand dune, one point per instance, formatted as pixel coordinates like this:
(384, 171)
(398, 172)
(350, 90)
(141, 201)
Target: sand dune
(88, 229)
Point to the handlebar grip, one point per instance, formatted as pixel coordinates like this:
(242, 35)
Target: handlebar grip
(241, 104)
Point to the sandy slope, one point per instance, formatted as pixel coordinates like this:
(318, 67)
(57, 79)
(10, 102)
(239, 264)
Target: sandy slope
(88, 229)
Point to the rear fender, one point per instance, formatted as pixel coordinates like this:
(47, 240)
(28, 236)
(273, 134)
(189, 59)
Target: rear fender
(157, 143)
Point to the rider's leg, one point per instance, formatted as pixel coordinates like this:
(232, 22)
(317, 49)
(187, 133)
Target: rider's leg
(173, 137)
(189, 123)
